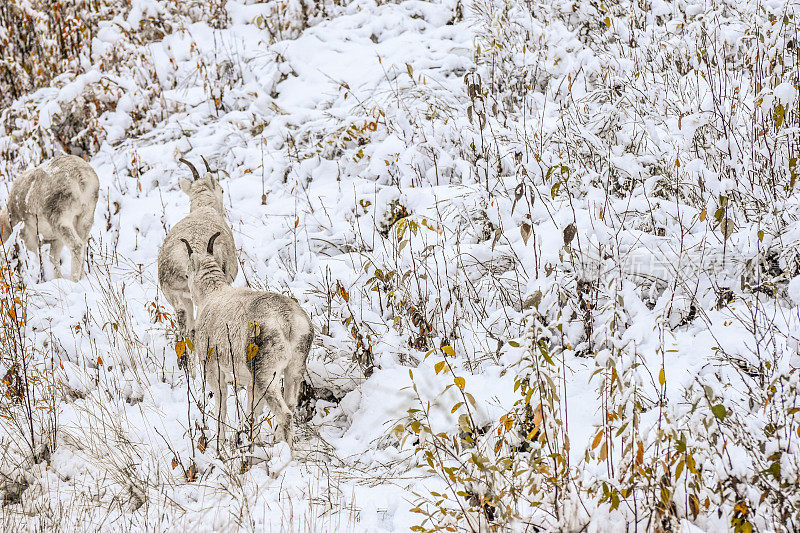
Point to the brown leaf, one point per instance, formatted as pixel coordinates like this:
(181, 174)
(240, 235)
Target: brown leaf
(727, 227)
(597, 439)
(525, 231)
(694, 505)
(569, 234)
(497, 233)
(191, 474)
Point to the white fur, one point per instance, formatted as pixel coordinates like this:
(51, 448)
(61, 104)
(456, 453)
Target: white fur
(55, 201)
(231, 319)
(206, 217)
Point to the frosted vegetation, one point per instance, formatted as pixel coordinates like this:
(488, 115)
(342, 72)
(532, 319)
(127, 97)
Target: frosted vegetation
(550, 252)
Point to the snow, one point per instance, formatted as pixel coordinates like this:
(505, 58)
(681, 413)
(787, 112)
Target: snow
(323, 125)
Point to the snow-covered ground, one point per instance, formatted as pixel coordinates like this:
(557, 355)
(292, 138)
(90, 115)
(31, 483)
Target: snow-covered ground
(550, 198)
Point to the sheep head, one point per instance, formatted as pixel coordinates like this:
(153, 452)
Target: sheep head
(202, 191)
(203, 271)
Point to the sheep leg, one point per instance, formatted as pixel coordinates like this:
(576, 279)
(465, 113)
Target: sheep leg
(185, 312)
(55, 256)
(293, 375)
(292, 380)
(274, 400)
(219, 389)
(30, 237)
(76, 247)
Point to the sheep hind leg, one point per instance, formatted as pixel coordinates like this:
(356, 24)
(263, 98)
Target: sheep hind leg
(219, 390)
(185, 311)
(295, 370)
(283, 416)
(55, 256)
(76, 247)
(266, 389)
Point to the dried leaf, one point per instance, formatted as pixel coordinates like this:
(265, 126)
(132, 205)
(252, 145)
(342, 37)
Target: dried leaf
(727, 227)
(569, 234)
(180, 348)
(597, 439)
(525, 231)
(662, 378)
(778, 115)
(191, 474)
(252, 351)
(460, 382)
(438, 366)
(449, 351)
(694, 505)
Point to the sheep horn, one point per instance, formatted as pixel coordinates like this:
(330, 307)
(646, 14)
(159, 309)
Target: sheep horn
(191, 166)
(210, 248)
(208, 168)
(188, 248)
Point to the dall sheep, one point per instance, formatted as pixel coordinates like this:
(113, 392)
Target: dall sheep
(249, 339)
(206, 216)
(56, 200)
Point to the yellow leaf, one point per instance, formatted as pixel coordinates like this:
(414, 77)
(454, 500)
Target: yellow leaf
(180, 348)
(252, 351)
(662, 378)
(778, 115)
(449, 351)
(189, 345)
(703, 215)
(607, 21)
(438, 366)
(460, 382)
(640, 454)
(597, 439)
(604, 452)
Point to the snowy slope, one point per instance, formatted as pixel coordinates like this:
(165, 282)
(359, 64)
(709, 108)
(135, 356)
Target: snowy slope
(519, 191)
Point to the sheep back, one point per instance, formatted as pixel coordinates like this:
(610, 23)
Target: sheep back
(197, 227)
(55, 192)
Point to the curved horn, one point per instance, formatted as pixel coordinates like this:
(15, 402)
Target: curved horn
(210, 248)
(191, 166)
(188, 248)
(208, 168)
(224, 172)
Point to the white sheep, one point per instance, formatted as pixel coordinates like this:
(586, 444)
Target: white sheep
(249, 339)
(56, 201)
(206, 216)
